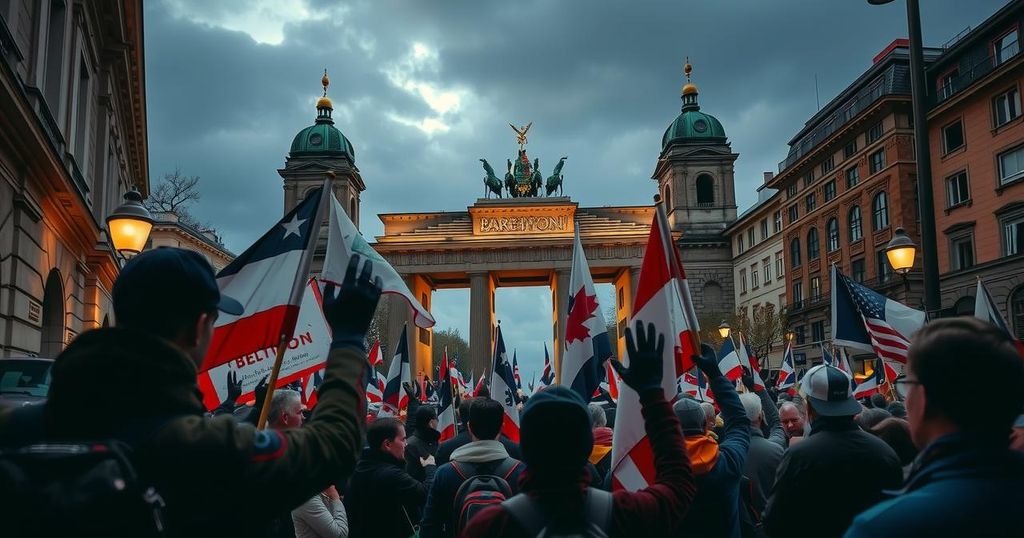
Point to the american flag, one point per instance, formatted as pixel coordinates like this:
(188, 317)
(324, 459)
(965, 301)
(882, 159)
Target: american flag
(889, 324)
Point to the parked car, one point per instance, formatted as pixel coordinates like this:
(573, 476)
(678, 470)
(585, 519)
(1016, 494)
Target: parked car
(24, 380)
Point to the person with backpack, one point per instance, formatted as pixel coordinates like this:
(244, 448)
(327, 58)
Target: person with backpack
(557, 438)
(134, 387)
(445, 449)
(480, 473)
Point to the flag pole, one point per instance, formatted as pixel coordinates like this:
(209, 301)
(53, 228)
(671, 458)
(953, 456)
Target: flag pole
(666, 239)
(295, 297)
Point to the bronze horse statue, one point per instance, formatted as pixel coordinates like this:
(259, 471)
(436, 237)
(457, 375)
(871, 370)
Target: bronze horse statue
(510, 180)
(537, 181)
(554, 182)
(491, 181)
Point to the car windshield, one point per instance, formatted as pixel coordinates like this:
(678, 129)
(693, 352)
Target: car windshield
(30, 377)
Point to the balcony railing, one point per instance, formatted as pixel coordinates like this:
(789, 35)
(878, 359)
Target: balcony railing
(965, 78)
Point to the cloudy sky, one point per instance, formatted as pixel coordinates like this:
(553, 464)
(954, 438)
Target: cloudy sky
(425, 88)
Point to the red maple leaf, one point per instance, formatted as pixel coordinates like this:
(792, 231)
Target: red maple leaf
(581, 308)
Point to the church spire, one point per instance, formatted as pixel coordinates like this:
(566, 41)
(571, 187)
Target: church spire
(689, 94)
(324, 107)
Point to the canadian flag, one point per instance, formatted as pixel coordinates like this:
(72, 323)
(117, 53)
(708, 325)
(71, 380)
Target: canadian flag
(662, 298)
(503, 389)
(586, 346)
(394, 398)
(446, 403)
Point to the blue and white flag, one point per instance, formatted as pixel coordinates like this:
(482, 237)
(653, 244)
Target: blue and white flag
(503, 389)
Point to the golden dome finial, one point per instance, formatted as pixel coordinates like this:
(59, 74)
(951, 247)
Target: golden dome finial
(690, 87)
(324, 101)
(686, 69)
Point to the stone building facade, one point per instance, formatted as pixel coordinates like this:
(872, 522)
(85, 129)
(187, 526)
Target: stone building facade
(72, 142)
(169, 231)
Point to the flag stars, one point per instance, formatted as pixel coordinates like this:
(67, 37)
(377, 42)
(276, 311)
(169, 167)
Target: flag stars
(293, 227)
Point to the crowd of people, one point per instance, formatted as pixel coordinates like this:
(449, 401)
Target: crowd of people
(753, 464)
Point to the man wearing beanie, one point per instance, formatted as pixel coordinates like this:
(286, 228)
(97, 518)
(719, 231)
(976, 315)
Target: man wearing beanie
(717, 467)
(423, 442)
(556, 438)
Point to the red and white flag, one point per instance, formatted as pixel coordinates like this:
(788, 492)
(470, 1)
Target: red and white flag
(373, 357)
(446, 403)
(612, 382)
(503, 389)
(585, 342)
(751, 361)
(479, 384)
(787, 374)
(662, 298)
(688, 384)
(394, 396)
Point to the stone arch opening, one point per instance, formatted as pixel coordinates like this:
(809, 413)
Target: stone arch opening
(52, 342)
(1017, 311)
(964, 306)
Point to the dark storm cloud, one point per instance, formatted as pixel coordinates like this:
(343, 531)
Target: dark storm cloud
(600, 81)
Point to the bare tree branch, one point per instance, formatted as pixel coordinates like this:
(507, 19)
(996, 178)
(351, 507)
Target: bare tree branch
(176, 193)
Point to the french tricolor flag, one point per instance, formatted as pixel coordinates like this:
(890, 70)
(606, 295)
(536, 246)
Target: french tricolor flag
(662, 298)
(729, 360)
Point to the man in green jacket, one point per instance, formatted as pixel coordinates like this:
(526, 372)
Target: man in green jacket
(217, 476)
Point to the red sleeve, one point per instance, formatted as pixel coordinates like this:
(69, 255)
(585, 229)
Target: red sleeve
(659, 509)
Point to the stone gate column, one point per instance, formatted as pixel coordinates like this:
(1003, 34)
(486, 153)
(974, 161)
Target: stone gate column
(481, 321)
(560, 308)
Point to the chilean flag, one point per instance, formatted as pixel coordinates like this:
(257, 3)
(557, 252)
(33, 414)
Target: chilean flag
(547, 378)
(729, 360)
(985, 310)
(394, 398)
(787, 375)
(446, 404)
(268, 279)
(586, 345)
(503, 389)
(662, 298)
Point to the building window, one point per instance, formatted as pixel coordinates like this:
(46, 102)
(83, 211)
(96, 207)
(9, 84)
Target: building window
(880, 211)
(750, 236)
(882, 267)
(815, 287)
(794, 253)
(801, 338)
(828, 164)
(794, 213)
(1011, 165)
(811, 201)
(798, 293)
(852, 177)
(777, 222)
(946, 83)
(1005, 47)
(766, 267)
(743, 281)
(1006, 107)
(856, 231)
(705, 191)
(1017, 311)
(753, 277)
(791, 189)
(953, 136)
(739, 243)
(808, 179)
(877, 161)
(832, 230)
(850, 149)
(1013, 234)
(857, 270)
(764, 228)
(818, 331)
(813, 250)
(961, 251)
(779, 266)
(957, 189)
(874, 132)
(830, 190)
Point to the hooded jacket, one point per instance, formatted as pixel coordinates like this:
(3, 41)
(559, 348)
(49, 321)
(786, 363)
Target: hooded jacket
(421, 444)
(960, 485)
(718, 468)
(382, 499)
(447, 448)
(116, 382)
(838, 459)
(483, 457)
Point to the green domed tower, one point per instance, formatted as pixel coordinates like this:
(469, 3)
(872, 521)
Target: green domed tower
(695, 179)
(316, 150)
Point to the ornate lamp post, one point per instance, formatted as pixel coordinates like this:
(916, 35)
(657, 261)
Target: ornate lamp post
(129, 225)
(925, 197)
(723, 330)
(901, 252)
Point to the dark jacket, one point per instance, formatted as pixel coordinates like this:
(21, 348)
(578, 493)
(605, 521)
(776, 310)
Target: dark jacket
(718, 468)
(445, 449)
(960, 486)
(113, 379)
(764, 455)
(840, 469)
(654, 511)
(421, 444)
(481, 457)
(378, 491)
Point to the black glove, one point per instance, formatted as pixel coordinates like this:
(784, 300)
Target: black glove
(645, 364)
(260, 392)
(411, 392)
(707, 361)
(234, 389)
(350, 312)
(748, 379)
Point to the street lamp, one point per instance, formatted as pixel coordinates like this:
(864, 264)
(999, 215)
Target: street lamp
(925, 197)
(723, 330)
(129, 225)
(901, 251)
(790, 335)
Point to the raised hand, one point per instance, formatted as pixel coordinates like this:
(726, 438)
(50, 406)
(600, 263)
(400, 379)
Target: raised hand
(350, 311)
(234, 387)
(645, 363)
(748, 379)
(707, 361)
